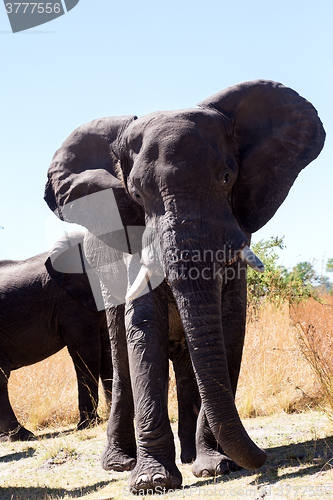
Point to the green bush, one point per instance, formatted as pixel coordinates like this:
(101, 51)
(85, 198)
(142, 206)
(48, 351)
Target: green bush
(277, 284)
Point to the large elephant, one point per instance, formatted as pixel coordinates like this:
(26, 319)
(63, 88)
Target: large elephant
(205, 179)
(44, 309)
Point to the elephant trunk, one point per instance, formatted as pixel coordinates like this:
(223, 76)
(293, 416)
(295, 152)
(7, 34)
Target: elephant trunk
(201, 317)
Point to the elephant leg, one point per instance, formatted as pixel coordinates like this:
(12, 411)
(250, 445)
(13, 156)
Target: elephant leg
(188, 400)
(106, 370)
(211, 460)
(120, 451)
(146, 320)
(85, 352)
(10, 429)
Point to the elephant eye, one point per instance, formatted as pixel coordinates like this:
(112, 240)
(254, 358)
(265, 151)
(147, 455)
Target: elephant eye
(226, 178)
(133, 191)
(135, 194)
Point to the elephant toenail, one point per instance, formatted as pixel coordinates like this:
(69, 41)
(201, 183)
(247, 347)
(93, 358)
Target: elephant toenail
(142, 479)
(131, 464)
(222, 469)
(205, 473)
(158, 478)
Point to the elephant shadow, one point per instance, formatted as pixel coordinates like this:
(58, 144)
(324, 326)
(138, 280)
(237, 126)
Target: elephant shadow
(11, 457)
(315, 454)
(55, 434)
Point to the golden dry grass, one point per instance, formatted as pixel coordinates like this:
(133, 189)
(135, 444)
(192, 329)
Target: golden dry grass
(45, 394)
(315, 334)
(275, 376)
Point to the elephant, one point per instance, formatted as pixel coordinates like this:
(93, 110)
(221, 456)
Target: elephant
(44, 309)
(204, 180)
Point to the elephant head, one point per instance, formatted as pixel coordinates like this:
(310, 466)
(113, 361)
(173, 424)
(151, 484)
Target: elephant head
(205, 179)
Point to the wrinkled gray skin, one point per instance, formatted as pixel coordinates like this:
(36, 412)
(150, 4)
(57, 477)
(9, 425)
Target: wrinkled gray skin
(37, 319)
(206, 179)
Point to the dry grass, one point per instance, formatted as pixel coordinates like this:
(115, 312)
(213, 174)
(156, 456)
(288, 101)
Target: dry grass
(173, 405)
(315, 335)
(45, 394)
(275, 376)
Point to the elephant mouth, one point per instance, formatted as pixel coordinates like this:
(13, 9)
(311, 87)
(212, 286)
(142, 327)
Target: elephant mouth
(146, 271)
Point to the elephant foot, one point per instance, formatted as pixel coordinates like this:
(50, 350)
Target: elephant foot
(89, 421)
(150, 476)
(19, 434)
(113, 458)
(213, 464)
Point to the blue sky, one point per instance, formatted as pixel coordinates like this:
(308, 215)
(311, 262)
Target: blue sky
(106, 58)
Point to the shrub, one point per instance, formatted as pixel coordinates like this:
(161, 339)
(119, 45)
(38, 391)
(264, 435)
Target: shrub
(276, 285)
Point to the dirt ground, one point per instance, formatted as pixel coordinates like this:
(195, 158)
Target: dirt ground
(64, 464)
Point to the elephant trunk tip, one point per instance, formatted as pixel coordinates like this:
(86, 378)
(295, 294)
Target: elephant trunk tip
(251, 458)
(238, 445)
(260, 459)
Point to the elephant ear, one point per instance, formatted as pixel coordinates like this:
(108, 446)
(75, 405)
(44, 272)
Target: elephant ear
(276, 133)
(68, 267)
(82, 184)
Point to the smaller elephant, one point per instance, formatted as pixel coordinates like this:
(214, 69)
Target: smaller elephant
(42, 311)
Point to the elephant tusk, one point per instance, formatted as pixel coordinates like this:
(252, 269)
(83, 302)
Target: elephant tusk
(251, 259)
(139, 283)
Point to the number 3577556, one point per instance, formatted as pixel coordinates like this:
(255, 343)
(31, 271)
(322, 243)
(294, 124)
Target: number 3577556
(31, 7)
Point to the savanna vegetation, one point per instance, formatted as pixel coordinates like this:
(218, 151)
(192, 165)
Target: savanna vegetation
(286, 375)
